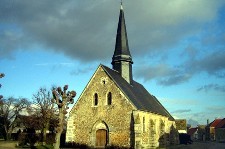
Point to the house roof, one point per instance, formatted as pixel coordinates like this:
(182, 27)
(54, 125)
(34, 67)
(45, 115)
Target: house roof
(191, 131)
(138, 95)
(215, 122)
(221, 124)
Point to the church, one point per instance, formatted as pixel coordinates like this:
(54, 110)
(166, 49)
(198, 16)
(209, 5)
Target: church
(115, 110)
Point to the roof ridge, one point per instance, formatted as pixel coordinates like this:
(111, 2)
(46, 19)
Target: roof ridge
(137, 94)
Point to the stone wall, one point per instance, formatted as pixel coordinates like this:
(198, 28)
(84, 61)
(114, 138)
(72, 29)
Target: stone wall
(153, 130)
(85, 116)
(125, 125)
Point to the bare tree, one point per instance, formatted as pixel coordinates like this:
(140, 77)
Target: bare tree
(10, 109)
(62, 98)
(44, 110)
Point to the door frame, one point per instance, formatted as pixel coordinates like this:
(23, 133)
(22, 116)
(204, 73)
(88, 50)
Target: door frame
(99, 125)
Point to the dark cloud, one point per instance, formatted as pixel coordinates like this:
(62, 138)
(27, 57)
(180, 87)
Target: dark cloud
(213, 64)
(85, 31)
(173, 80)
(78, 28)
(163, 73)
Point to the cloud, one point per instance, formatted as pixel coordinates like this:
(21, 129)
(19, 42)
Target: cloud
(193, 122)
(212, 63)
(201, 117)
(163, 73)
(62, 64)
(215, 109)
(86, 30)
(182, 111)
(215, 87)
(180, 102)
(76, 29)
(195, 63)
(82, 70)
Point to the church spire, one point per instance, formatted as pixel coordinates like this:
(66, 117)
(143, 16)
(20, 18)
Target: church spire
(122, 60)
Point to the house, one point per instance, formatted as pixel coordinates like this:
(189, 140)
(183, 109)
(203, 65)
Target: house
(210, 130)
(193, 132)
(220, 131)
(115, 110)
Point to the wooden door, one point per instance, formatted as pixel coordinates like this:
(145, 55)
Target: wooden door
(101, 137)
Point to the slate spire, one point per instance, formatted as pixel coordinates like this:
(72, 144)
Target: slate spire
(122, 60)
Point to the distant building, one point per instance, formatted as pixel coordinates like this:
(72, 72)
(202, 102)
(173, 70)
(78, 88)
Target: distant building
(220, 131)
(115, 110)
(201, 132)
(193, 133)
(210, 130)
(181, 125)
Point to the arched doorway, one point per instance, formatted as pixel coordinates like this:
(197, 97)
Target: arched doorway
(101, 138)
(100, 134)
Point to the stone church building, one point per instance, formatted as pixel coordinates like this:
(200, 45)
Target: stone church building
(115, 110)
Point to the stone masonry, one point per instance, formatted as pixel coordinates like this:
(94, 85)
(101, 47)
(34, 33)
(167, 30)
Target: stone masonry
(125, 125)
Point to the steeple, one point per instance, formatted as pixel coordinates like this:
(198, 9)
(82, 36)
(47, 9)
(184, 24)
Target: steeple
(122, 60)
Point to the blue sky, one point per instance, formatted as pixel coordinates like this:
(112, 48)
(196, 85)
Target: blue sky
(177, 48)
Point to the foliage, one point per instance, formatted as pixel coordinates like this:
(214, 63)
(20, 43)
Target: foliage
(75, 145)
(10, 109)
(62, 98)
(1, 76)
(2, 132)
(78, 145)
(28, 138)
(44, 110)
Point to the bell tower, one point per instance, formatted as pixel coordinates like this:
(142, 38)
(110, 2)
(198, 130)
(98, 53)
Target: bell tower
(122, 60)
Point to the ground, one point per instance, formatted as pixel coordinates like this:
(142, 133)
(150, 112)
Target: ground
(8, 144)
(201, 145)
(195, 145)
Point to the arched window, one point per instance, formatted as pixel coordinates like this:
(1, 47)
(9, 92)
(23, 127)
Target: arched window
(95, 99)
(143, 124)
(109, 98)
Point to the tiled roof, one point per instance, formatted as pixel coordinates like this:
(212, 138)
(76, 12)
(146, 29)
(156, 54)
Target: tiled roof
(221, 124)
(138, 95)
(215, 122)
(191, 131)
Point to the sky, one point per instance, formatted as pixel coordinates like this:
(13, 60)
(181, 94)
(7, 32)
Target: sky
(177, 47)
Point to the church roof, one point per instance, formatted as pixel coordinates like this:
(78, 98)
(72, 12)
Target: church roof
(137, 94)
